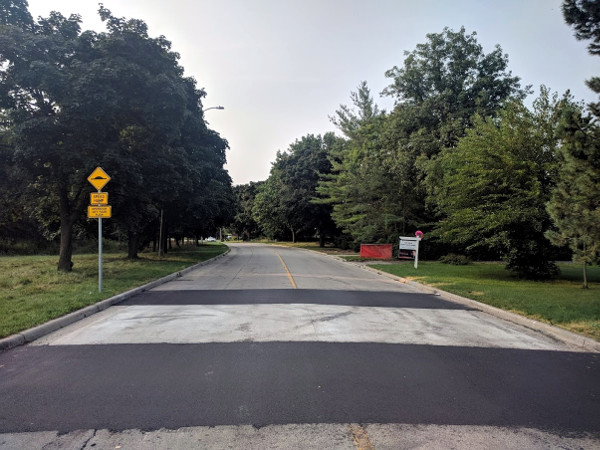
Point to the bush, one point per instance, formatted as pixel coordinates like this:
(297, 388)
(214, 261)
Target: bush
(455, 259)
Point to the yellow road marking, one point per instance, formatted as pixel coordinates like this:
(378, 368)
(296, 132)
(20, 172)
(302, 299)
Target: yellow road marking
(361, 440)
(289, 274)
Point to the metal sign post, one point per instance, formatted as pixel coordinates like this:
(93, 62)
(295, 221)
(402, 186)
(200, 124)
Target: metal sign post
(98, 209)
(100, 254)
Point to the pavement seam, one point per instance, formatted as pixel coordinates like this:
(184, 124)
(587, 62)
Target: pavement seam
(30, 335)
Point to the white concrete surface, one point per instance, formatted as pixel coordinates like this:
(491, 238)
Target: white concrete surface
(307, 436)
(196, 324)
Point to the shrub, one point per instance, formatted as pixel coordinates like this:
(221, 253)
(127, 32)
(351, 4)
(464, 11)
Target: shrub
(455, 259)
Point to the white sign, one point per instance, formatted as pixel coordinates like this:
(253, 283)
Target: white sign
(408, 245)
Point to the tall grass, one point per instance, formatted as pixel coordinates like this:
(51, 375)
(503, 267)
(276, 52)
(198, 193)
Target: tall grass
(32, 291)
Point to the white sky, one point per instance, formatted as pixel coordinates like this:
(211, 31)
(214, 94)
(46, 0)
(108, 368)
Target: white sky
(281, 67)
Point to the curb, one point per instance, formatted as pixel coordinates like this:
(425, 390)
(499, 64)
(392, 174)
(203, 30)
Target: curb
(574, 341)
(30, 335)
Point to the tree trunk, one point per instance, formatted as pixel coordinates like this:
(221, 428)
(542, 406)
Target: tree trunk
(585, 281)
(293, 236)
(161, 233)
(66, 245)
(321, 239)
(133, 242)
(69, 212)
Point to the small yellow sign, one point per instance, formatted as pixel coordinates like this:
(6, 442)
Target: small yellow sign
(98, 178)
(99, 212)
(99, 198)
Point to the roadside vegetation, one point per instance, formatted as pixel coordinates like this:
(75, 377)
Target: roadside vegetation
(465, 155)
(560, 302)
(32, 291)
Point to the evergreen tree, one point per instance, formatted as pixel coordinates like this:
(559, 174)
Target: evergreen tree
(575, 203)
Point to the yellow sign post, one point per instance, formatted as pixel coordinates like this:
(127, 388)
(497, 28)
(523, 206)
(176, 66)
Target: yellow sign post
(99, 209)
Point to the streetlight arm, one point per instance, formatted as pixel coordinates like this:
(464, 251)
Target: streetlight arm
(214, 107)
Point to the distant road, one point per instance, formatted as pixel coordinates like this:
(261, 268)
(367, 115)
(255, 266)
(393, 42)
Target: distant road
(286, 348)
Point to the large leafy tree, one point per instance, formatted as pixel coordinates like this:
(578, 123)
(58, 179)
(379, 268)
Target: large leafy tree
(41, 68)
(16, 13)
(378, 186)
(117, 99)
(495, 184)
(447, 80)
(244, 224)
(284, 203)
(442, 84)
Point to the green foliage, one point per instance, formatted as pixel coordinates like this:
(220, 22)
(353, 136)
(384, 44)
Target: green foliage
(244, 224)
(284, 203)
(75, 100)
(447, 80)
(584, 16)
(363, 184)
(455, 259)
(377, 187)
(495, 184)
(575, 203)
(15, 12)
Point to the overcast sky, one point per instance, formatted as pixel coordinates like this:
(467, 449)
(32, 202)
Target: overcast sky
(282, 67)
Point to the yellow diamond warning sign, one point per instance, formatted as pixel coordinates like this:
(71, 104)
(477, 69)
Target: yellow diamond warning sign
(98, 178)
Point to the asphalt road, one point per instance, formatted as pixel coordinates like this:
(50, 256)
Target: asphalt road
(271, 347)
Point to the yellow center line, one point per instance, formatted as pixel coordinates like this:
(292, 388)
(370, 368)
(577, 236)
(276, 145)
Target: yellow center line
(289, 274)
(361, 440)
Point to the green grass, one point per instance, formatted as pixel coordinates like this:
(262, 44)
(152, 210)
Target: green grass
(561, 302)
(32, 291)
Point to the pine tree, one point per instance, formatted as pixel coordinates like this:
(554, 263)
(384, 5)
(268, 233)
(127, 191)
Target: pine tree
(575, 203)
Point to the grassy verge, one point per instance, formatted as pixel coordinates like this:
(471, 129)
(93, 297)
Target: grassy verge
(32, 291)
(560, 302)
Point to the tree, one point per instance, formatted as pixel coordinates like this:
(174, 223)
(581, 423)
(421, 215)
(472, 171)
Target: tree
(284, 203)
(243, 222)
(584, 16)
(361, 187)
(448, 79)
(40, 68)
(575, 203)
(349, 120)
(118, 99)
(378, 185)
(495, 184)
(16, 12)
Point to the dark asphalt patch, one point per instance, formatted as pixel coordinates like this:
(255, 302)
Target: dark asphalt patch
(288, 296)
(149, 387)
